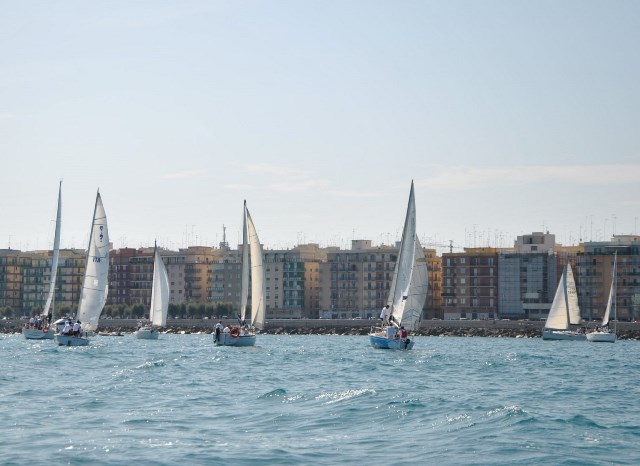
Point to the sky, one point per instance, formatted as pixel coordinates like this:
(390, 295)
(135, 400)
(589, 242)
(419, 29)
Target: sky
(510, 117)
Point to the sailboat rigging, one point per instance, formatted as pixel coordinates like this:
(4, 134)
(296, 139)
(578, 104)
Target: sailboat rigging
(93, 295)
(42, 330)
(252, 270)
(408, 289)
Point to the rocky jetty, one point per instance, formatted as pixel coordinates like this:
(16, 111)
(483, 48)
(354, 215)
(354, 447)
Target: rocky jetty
(491, 328)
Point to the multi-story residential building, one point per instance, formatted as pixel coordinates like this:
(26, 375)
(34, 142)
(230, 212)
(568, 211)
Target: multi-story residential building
(131, 274)
(593, 277)
(11, 279)
(25, 278)
(470, 284)
(71, 266)
(528, 277)
(356, 282)
(291, 280)
(433, 306)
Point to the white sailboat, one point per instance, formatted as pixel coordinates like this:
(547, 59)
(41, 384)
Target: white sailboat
(564, 311)
(95, 284)
(45, 332)
(408, 288)
(252, 268)
(603, 333)
(159, 300)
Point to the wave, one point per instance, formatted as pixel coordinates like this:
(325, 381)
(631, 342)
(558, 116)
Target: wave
(151, 364)
(278, 392)
(335, 397)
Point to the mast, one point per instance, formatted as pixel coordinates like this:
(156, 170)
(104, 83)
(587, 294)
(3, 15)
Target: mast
(244, 284)
(153, 280)
(54, 260)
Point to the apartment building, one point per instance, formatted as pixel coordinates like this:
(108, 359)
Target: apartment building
(25, 279)
(593, 277)
(188, 269)
(291, 280)
(11, 264)
(528, 277)
(433, 305)
(470, 284)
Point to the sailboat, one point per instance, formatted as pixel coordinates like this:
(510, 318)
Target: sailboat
(564, 311)
(408, 289)
(252, 268)
(604, 334)
(45, 332)
(93, 295)
(159, 300)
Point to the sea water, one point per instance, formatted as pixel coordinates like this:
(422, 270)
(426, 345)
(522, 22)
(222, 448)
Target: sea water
(322, 400)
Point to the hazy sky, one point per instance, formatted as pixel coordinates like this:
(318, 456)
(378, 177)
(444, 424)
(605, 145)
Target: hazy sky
(510, 116)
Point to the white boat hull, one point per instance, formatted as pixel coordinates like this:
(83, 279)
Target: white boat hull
(605, 337)
(562, 335)
(383, 342)
(146, 334)
(70, 340)
(226, 339)
(37, 334)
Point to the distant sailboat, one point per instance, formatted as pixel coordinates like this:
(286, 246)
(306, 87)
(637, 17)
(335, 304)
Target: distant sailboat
(564, 311)
(252, 267)
(408, 288)
(604, 334)
(95, 283)
(159, 300)
(45, 332)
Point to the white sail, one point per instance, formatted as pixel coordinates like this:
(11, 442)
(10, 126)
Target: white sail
(56, 255)
(564, 309)
(404, 265)
(159, 292)
(96, 276)
(417, 291)
(257, 276)
(244, 279)
(572, 299)
(611, 302)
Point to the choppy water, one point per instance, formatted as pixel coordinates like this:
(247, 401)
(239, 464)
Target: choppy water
(319, 400)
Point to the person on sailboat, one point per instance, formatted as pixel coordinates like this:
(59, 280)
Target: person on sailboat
(219, 328)
(384, 314)
(76, 328)
(67, 328)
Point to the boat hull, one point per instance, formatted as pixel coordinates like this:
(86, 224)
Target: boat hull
(70, 340)
(37, 334)
(563, 335)
(227, 340)
(603, 337)
(146, 334)
(382, 342)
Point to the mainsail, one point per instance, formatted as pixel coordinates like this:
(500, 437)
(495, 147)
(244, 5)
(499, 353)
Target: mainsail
(564, 309)
(159, 292)
(257, 275)
(96, 276)
(54, 260)
(611, 302)
(405, 263)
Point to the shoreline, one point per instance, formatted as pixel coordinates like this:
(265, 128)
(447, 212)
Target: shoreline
(467, 328)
